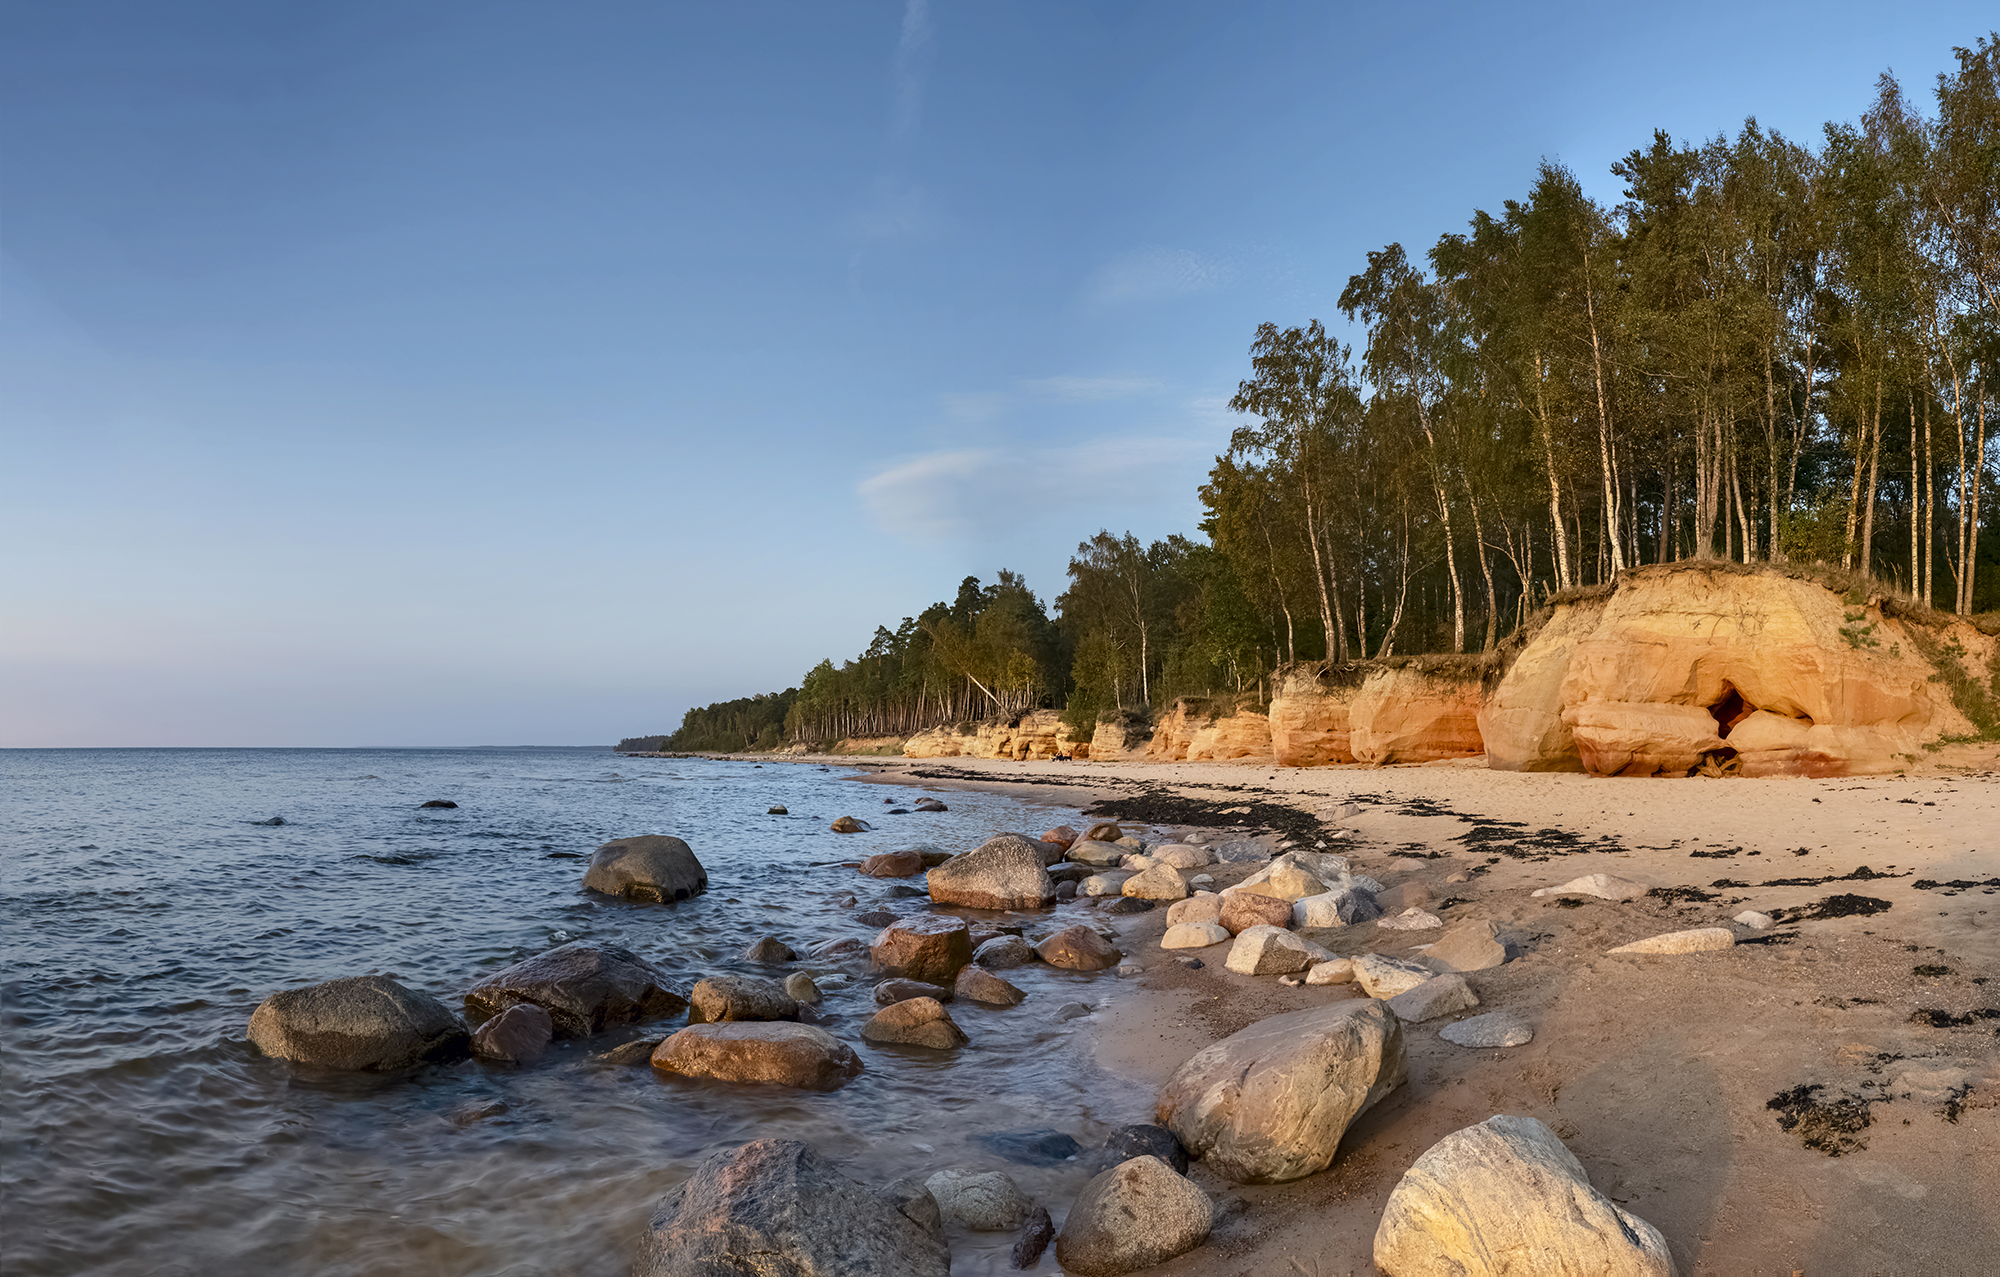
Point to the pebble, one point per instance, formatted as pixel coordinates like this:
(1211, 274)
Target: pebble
(1754, 920)
(1202, 880)
(1192, 964)
(1495, 1028)
(1411, 919)
(1126, 970)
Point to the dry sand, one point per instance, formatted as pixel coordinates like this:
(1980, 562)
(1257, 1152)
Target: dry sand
(1658, 1072)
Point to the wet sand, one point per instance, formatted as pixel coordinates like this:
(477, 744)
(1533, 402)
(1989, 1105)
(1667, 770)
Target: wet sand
(1658, 1071)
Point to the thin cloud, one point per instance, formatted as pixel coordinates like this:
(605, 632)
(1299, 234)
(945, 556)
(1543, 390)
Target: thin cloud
(1088, 389)
(913, 50)
(1156, 274)
(976, 405)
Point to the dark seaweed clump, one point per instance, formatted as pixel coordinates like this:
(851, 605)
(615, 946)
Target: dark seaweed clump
(1832, 1127)
(1682, 895)
(1841, 906)
(1723, 853)
(1930, 969)
(1863, 874)
(1163, 807)
(1937, 1019)
(1957, 885)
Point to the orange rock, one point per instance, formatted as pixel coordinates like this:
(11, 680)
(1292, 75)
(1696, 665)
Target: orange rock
(1309, 714)
(1417, 713)
(1521, 724)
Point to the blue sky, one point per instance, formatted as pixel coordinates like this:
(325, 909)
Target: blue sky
(503, 373)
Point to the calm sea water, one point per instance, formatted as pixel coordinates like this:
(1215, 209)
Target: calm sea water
(147, 913)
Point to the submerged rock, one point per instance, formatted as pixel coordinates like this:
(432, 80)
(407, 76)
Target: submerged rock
(1133, 1216)
(769, 949)
(515, 1036)
(1505, 1197)
(738, 997)
(848, 825)
(894, 864)
(439, 802)
(983, 1201)
(931, 947)
(778, 1207)
(1079, 948)
(915, 1022)
(976, 984)
(890, 992)
(1269, 1103)
(651, 867)
(583, 986)
(360, 1023)
(770, 1051)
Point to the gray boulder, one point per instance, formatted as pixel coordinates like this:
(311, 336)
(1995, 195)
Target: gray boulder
(1003, 952)
(740, 997)
(1133, 1216)
(362, 1023)
(1504, 1198)
(1270, 1102)
(1439, 995)
(583, 987)
(776, 1207)
(1004, 872)
(654, 867)
(515, 1036)
(983, 1201)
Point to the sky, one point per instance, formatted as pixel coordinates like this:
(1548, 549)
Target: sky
(507, 373)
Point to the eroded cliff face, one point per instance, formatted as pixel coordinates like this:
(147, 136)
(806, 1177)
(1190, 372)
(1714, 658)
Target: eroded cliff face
(1203, 730)
(1310, 721)
(1701, 668)
(1040, 734)
(1412, 711)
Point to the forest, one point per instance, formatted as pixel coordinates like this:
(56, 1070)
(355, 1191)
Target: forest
(1767, 350)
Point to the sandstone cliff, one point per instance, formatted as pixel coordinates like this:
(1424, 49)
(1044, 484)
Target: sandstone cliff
(1210, 729)
(1407, 710)
(1035, 735)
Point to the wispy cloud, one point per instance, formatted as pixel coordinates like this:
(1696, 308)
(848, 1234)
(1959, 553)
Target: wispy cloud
(913, 59)
(1156, 274)
(976, 405)
(985, 493)
(1088, 389)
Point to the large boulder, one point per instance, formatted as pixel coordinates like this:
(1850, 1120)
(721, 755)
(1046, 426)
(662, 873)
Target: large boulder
(1272, 951)
(1381, 976)
(1004, 872)
(1182, 856)
(515, 1036)
(1157, 883)
(1286, 879)
(1096, 853)
(654, 867)
(915, 1022)
(983, 1201)
(1336, 908)
(777, 1207)
(930, 947)
(1079, 948)
(894, 864)
(1137, 1214)
(1242, 910)
(1506, 1199)
(740, 997)
(770, 1051)
(583, 986)
(1270, 1102)
(1473, 945)
(361, 1023)
(1439, 995)
(1201, 907)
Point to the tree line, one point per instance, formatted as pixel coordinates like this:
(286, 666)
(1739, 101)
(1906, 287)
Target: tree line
(1766, 350)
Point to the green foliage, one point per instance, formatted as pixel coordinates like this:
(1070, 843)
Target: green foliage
(1977, 699)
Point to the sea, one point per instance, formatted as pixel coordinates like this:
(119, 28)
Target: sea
(149, 900)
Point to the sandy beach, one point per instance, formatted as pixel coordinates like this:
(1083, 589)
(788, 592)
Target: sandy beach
(1658, 1072)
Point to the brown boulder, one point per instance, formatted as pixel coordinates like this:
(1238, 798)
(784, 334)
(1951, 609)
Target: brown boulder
(738, 997)
(1242, 910)
(915, 1022)
(771, 1051)
(930, 946)
(652, 867)
(1107, 831)
(359, 1023)
(1079, 948)
(976, 984)
(890, 992)
(847, 825)
(583, 986)
(515, 1036)
(1062, 835)
(894, 864)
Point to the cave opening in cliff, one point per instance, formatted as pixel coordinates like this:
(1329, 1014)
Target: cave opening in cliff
(1730, 710)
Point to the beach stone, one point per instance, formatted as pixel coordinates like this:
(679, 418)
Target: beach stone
(1193, 935)
(1126, 904)
(1337, 971)
(1191, 963)
(844, 947)
(1410, 895)
(1034, 1238)
(799, 987)
(929, 947)
(777, 811)
(1141, 1139)
(1158, 883)
(1754, 920)
(1066, 891)
(769, 949)
(1268, 951)
(1270, 1102)
(1381, 976)
(1105, 831)
(901, 891)
(366, 1023)
(1287, 880)
(890, 992)
(639, 1051)
(1004, 872)
(1202, 882)
(1078, 948)
(981, 932)
(438, 802)
(771, 1051)
(1182, 856)
(983, 1201)
(1031, 1148)
(893, 864)
(1242, 910)
(1203, 906)
(929, 804)
(1002, 952)
(777, 1207)
(1135, 1215)
(740, 997)
(1472, 945)
(1505, 1197)
(909, 1196)
(1336, 908)
(1131, 844)
(932, 856)
(1603, 886)
(1069, 871)
(874, 918)
(1096, 854)
(655, 867)
(583, 986)
(915, 1022)
(1495, 1028)
(844, 902)
(1062, 835)
(515, 1036)
(1696, 940)
(1439, 995)
(976, 984)
(1239, 851)
(1411, 919)
(1071, 1011)
(1105, 884)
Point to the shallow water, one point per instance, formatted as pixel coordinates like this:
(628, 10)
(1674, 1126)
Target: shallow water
(147, 913)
